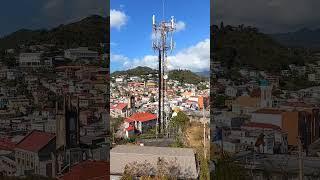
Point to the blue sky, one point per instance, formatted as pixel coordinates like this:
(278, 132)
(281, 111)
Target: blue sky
(35, 14)
(131, 27)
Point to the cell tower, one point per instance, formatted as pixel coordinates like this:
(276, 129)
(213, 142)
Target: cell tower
(162, 42)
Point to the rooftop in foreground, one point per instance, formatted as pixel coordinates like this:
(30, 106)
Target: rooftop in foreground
(184, 158)
(88, 170)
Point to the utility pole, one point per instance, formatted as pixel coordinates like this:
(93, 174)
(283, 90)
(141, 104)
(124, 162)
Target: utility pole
(161, 33)
(204, 134)
(301, 174)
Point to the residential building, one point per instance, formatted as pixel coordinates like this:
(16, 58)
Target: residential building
(30, 60)
(81, 53)
(33, 154)
(141, 121)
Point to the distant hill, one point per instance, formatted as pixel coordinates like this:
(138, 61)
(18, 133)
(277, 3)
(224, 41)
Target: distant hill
(140, 70)
(205, 74)
(87, 32)
(305, 37)
(246, 46)
(184, 76)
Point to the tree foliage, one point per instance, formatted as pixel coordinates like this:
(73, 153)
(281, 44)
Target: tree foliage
(138, 71)
(89, 32)
(226, 169)
(180, 121)
(246, 46)
(185, 76)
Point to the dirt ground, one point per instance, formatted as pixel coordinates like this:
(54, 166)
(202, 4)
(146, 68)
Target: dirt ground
(194, 137)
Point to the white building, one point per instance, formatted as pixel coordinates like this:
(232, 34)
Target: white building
(30, 59)
(313, 77)
(119, 80)
(135, 78)
(268, 116)
(80, 53)
(266, 95)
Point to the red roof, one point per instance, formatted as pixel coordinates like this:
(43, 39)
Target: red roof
(120, 106)
(142, 117)
(269, 111)
(88, 170)
(262, 126)
(35, 141)
(6, 144)
(130, 128)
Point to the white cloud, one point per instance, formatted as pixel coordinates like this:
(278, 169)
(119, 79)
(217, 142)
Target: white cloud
(118, 58)
(271, 16)
(52, 4)
(180, 26)
(117, 19)
(195, 58)
(148, 60)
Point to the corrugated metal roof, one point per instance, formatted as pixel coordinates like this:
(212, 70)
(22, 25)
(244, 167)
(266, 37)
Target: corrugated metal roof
(184, 158)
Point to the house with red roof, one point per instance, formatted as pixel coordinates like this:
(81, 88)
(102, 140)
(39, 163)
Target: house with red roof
(33, 154)
(88, 170)
(119, 110)
(140, 121)
(7, 163)
(6, 144)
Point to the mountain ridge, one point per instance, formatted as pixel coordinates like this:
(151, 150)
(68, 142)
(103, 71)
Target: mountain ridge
(186, 76)
(302, 38)
(241, 46)
(88, 31)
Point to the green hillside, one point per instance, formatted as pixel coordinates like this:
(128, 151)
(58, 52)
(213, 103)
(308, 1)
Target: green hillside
(135, 71)
(246, 46)
(184, 76)
(87, 32)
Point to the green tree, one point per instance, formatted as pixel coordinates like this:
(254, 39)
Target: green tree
(180, 121)
(226, 169)
(177, 143)
(204, 168)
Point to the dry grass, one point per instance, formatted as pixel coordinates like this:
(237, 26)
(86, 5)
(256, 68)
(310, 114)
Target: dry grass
(194, 137)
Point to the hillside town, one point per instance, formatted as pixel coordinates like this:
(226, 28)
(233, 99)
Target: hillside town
(134, 115)
(267, 122)
(53, 111)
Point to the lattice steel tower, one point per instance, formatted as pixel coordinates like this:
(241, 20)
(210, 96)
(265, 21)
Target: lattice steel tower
(162, 42)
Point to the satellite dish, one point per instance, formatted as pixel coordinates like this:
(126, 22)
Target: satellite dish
(165, 77)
